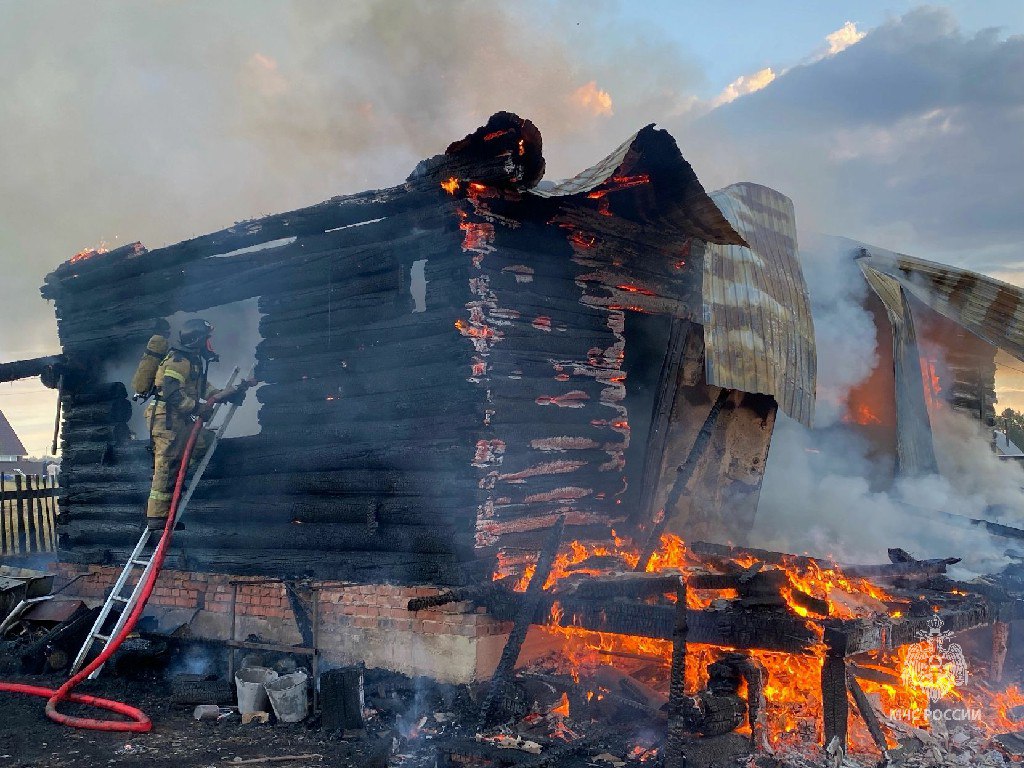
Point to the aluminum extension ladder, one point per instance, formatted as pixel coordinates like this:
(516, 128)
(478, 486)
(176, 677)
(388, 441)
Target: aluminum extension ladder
(140, 559)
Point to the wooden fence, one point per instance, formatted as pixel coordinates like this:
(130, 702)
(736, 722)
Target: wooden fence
(28, 515)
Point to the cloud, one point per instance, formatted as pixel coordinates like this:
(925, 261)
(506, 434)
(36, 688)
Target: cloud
(592, 99)
(843, 38)
(913, 139)
(743, 85)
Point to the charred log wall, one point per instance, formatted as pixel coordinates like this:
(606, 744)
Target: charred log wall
(404, 438)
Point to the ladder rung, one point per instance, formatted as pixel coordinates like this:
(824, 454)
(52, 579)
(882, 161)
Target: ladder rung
(104, 638)
(119, 599)
(140, 562)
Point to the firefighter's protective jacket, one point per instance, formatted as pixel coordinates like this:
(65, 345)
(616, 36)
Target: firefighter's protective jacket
(178, 380)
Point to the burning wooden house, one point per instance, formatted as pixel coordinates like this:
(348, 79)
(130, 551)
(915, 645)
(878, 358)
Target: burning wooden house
(451, 364)
(470, 367)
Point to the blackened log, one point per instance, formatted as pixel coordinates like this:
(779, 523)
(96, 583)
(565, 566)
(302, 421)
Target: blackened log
(108, 433)
(344, 482)
(266, 536)
(766, 630)
(525, 617)
(1000, 646)
(247, 456)
(867, 713)
(637, 586)
(83, 453)
(97, 393)
(104, 412)
(875, 674)
(723, 552)
(24, 369)
(918, 568)
(505, 153)
(360, 567)
(86, 275)
(834, 702)
(678, 704)
(475, 594)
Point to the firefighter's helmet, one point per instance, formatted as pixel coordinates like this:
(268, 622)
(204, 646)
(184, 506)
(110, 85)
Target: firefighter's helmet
(195, 334)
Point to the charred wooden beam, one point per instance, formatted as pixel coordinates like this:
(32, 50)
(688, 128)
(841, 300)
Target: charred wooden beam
(524, 618)
(678, 705)
(915, 569)
(867, 713)
(683, 477)
(25, 369)
(1000, 646)
(834, 700)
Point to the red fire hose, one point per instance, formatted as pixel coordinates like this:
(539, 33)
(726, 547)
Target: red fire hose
(139, 722)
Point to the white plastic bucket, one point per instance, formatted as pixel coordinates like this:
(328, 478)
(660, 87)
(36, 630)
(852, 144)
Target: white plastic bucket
(288, 697)
(249, 682)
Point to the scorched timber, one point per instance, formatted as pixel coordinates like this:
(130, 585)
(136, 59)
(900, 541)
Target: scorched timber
(407, 426)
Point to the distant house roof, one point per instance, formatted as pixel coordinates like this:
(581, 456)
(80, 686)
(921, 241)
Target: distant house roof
(10, 443)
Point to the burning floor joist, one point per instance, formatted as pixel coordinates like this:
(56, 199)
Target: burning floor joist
(501, 432)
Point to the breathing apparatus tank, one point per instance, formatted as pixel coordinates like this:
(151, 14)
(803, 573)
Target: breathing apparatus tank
(156, 351)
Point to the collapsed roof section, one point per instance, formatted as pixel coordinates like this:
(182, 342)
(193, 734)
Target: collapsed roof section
(989, 308)
(758, 331)
(965, 315)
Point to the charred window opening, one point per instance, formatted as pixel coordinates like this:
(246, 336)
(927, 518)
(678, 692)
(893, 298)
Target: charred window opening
(418, 285)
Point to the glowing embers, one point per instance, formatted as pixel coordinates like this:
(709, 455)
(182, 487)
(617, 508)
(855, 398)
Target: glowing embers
(478, 238)
(863, 415)
(932, 387)
(618, 183)
(451, 185)
(87, 253)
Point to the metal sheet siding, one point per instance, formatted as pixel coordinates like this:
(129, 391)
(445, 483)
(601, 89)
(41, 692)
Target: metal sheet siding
(758, 331)
(989, 308)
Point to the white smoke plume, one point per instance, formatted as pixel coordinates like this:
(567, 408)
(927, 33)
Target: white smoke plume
(821, 492)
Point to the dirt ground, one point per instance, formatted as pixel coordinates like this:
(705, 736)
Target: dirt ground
(29, 740)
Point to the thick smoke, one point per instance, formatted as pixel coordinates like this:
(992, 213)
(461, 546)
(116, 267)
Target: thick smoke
(820, 491)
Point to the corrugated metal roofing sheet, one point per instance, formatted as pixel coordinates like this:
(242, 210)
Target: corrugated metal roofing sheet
(592, 176)
(758, 331)
(915, 452)
(989, 308)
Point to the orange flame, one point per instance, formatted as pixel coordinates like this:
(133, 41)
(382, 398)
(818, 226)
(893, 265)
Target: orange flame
(451, 186)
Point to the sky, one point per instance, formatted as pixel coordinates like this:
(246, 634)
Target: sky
(890, 122)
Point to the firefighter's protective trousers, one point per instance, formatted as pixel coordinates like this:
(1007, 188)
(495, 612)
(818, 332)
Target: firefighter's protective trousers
(171, 417)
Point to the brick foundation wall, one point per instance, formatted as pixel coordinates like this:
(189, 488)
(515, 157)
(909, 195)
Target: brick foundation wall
(365, 623)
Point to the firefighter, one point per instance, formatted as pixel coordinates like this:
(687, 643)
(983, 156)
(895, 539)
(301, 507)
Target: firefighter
(181, 394)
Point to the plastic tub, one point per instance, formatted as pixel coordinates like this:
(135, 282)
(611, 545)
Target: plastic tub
(250, 682)
(288, 697)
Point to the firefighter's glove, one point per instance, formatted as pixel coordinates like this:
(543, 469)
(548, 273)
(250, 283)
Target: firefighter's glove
(205, 411)
(232, 395)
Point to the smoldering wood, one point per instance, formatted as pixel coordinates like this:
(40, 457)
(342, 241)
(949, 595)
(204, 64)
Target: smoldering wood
(685, 474)
(524, 618)
(834, 701)
(867, 713)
